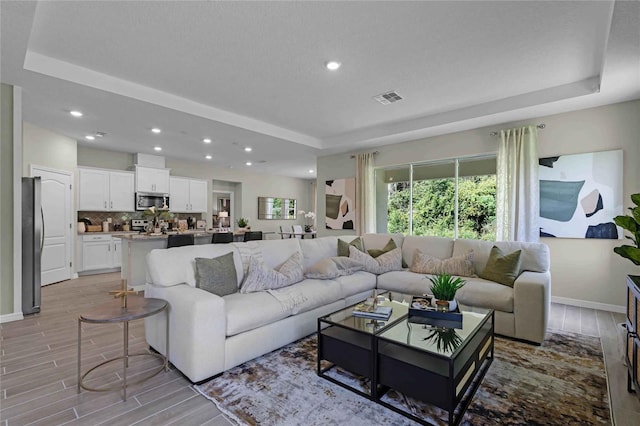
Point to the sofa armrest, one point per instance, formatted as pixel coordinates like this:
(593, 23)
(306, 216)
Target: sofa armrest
(531, 305)
(197, 329)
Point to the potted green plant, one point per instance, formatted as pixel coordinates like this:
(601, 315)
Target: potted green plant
(243, 223)
(631, 224)
(444, 288)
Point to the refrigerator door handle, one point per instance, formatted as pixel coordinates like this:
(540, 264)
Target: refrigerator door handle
(42, 235)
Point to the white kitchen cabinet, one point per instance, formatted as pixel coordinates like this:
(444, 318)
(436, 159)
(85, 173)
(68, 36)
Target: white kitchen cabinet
(149, 179)
(187, 195)
(105, 190)
(99, 252)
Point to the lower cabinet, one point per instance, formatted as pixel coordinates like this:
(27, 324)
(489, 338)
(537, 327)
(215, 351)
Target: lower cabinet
(633, 335)
(99, 252)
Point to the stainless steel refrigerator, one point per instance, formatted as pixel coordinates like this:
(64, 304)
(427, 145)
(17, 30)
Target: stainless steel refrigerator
(32, 242)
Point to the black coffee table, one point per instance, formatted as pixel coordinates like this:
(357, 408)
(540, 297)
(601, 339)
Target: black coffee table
(438, 365)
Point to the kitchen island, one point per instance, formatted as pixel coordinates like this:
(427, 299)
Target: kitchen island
(135, 248)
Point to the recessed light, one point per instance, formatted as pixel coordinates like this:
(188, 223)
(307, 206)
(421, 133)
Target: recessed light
(248, 163)
(156, 130)
(206, 140)
(248, 149)
(208, 157)
(310, 170)
(157, 148)
(333, 65)
(76, 113)
(90, 137)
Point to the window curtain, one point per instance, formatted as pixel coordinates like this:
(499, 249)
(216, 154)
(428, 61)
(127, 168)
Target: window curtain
(517, 186)
(365, 193)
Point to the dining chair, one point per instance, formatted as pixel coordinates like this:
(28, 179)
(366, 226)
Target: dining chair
(284, 230)
(252, 235)
(298, 231)
(179, 240)
(222, 238)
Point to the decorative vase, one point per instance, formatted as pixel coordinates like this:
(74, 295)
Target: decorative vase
(307, 228)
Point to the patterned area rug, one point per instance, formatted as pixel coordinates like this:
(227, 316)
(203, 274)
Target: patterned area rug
(562, 382)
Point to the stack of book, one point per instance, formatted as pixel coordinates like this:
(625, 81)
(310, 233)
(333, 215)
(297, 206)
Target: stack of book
(381, 313)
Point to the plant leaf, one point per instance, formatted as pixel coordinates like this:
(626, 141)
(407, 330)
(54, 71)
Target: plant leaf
(636, 199)
(629, 252)
(626, 222)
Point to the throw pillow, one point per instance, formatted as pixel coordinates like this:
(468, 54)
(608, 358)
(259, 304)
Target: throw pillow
(343, 246)
(261, 277)
(390, 261)
(217, 275)
(388, 247)
(461, 266)
(333, 267)
(502, 268)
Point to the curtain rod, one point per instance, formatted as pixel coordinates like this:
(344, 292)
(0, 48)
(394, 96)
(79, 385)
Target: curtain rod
(374, 153)
(539, 126)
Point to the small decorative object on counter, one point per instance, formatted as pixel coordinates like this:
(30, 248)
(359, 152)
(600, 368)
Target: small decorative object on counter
(309, 217)
(154, 215)
(125, 221)
(243, 224)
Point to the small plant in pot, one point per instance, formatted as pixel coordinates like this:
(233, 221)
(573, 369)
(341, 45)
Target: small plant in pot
(243, 223)
(444, 288)
(631, 224)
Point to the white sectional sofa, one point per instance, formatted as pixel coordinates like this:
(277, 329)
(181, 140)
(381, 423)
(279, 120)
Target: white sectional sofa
(209, 334)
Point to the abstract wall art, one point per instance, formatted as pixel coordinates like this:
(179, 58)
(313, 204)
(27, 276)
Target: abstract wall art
(580, 194)
(340, 208)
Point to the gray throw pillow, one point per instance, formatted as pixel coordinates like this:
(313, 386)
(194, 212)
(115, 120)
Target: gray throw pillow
(217, 275)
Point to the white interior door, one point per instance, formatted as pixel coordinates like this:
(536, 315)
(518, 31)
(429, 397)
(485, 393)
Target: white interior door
(56, 210)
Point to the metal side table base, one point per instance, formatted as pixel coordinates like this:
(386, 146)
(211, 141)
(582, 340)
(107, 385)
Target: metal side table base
(137, 308)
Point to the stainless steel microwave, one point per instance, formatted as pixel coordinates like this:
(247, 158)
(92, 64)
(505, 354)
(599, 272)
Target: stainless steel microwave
(145, 200)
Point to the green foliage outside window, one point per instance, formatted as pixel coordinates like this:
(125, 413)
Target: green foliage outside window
(434, 207)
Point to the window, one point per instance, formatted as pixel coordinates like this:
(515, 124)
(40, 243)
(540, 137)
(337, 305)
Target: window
(427, 199)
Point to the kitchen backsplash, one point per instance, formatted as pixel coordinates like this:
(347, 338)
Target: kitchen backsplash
(97, 218)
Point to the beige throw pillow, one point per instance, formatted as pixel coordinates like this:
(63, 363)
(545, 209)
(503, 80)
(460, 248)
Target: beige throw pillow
(461, 266)
(502, 268)
(260, 277)
(333, 267)
(390, 261)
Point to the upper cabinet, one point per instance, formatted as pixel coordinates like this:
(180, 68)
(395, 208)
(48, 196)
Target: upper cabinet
(105, 190)
(187, 195)
(149, 179)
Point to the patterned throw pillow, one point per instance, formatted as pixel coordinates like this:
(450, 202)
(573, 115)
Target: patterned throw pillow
(333, 267)
(261, 277)
(461, 266)
(388, 247)
(343, 246)
(217, 275)
(502, 268)
(390, 261)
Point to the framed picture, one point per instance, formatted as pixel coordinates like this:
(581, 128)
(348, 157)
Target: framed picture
(580, 195)
(340, 206)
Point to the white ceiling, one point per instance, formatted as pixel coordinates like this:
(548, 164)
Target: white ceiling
(252, 73)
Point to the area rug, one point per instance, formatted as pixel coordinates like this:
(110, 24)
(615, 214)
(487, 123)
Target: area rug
(561, 382)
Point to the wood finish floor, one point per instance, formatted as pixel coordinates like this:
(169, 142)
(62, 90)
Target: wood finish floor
(38, 366)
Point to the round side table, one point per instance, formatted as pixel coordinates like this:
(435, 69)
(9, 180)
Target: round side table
(112, 312)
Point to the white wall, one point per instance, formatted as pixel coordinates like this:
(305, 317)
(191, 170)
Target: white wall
(41, 147)
(581, 269)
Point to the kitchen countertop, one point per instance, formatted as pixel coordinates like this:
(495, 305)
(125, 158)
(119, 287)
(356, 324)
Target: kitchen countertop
(144, 237)
(126, 233)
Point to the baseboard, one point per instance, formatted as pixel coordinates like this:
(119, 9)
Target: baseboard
(11, 317)
(589, 304)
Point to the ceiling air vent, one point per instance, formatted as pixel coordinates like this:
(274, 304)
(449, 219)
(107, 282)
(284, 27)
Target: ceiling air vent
(388, 98)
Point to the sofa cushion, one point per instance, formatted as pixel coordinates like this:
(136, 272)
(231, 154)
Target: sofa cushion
(316, 293)
(388, 247)
(343, 246)
(482, 293)
(276, 252)
(438, 247)
(534, 257)
(404, 282)
(217, 275)
(169, 267)
(246, 311)
(261, 277)
(457, 265)
(333, 267)
(501, 267)
(356, 283)
(316, 249)
(390, 261)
